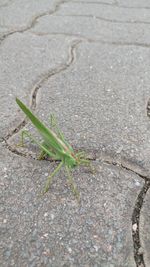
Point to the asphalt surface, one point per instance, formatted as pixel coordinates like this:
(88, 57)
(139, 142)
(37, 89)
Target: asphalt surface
(87, 62)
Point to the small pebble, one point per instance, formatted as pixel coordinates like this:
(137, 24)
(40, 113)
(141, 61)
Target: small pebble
(134, 227)
(69, 250)
(45, 235)
(96, 248)
(137, 183)
(140, 251)
(52, 216)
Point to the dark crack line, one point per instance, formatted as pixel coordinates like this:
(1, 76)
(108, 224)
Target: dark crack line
(93, 2)
(148, 108)
(90, 40)
(115, 4)
(33, 21)
(104, 19)
(123, 166)
(138, 256)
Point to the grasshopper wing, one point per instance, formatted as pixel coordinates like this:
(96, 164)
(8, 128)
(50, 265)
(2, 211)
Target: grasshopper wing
(48, 135)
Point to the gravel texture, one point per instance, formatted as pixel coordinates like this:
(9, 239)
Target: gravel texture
(87, 62)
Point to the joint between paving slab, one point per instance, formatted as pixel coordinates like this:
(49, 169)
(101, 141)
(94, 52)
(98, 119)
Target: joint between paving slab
(138, 251)
(105, 19)
(90, 40)
(115, 4)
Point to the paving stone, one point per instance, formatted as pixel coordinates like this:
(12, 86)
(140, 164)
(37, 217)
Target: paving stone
(145, 229)
(110, 13)
(3, 30)
(100, 101)
(93, 28)
(55, 230)
(24, 60)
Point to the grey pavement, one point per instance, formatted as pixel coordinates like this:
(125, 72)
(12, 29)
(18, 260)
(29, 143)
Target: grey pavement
(88, 62)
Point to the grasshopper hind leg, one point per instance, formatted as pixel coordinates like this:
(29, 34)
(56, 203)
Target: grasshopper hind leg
(49, 179)
(72, 184)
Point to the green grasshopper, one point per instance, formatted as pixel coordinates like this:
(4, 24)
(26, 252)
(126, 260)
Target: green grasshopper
(54, 146)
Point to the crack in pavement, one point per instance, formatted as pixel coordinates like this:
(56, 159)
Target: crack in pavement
(115, 4)
(105, 19)
(148, 108)
(138, 255)
(32, 23)
(90, 40)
